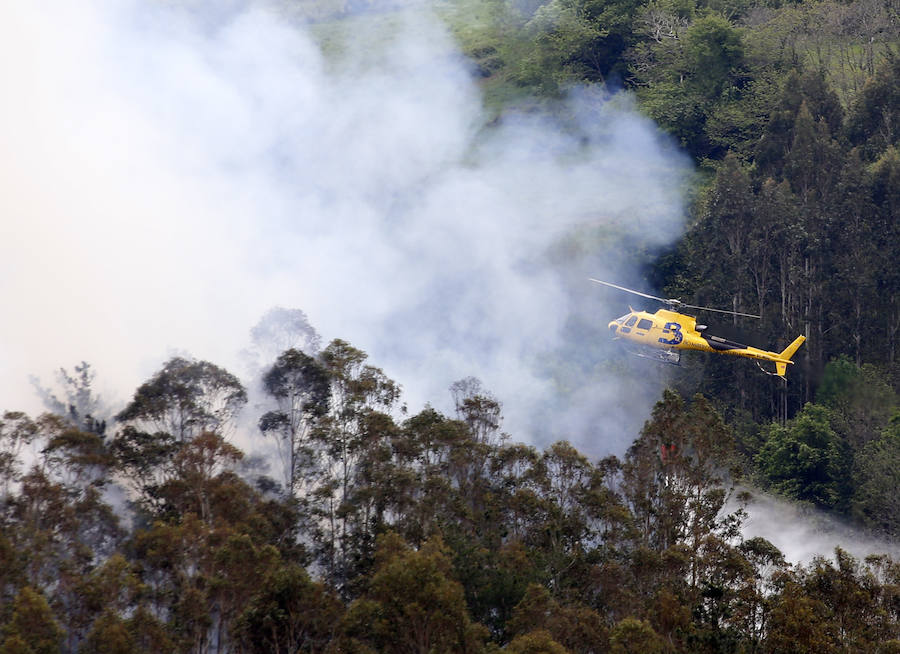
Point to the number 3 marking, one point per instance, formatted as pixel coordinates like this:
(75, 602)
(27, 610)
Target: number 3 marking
(677, 337)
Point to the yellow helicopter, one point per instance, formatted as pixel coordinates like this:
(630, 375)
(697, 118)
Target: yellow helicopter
(664, 333)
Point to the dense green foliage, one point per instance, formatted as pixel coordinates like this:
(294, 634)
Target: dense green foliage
(790, 110)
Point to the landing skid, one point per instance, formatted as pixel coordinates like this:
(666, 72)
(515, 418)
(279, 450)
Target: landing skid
(662, 356)
(773, 374)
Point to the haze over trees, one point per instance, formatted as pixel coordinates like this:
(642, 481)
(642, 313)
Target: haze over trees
(145, 531)
(430, 532)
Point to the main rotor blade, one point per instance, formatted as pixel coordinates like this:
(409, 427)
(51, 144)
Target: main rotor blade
(627, 290)
(673, 302)
(734, 313)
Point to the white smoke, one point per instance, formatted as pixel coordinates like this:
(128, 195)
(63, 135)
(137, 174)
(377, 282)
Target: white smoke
(802, 533)
(167, 176)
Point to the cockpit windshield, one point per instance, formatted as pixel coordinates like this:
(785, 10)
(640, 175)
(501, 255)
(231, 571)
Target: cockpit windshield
(623, 318)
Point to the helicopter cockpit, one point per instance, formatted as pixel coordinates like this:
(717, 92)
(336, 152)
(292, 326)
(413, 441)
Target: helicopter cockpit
(618, 322)
(624, 324)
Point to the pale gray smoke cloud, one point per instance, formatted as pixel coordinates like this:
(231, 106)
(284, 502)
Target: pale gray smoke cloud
(167, 176)
(802, 533)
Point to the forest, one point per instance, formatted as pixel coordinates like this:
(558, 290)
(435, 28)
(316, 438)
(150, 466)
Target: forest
(150, 531)
(434, 533)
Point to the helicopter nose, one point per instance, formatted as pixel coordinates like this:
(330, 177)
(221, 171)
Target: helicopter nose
(613, 326)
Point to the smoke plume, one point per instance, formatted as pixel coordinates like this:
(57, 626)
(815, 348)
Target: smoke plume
(169, 174)
(801, 533)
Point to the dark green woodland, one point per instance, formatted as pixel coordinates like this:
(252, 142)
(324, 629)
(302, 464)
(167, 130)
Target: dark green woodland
(150, 531)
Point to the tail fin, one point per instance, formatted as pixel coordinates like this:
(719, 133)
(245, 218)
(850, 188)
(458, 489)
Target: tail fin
(787, 353)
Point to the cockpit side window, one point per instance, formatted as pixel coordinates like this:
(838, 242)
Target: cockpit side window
(631, 321)
(645, 324)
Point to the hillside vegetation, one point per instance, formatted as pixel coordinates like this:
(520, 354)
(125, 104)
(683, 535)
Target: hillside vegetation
(433, 533)
(150, 531)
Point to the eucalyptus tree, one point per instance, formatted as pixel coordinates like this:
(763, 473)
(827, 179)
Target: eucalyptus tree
(875, 501)
(80, 459)
(874, 114)
(413, 604)
(427, 445)
(801, 87)
(16, 431)
(576, 627)
(79, 403)
(347, 436)
(186, 398)
(885, 181)
(32, 627)
(60, 536)
(725, 225)
(480, 414)
(565, 533)
(289, 613)
(301, 388)
(675, 483)
(278, 331)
